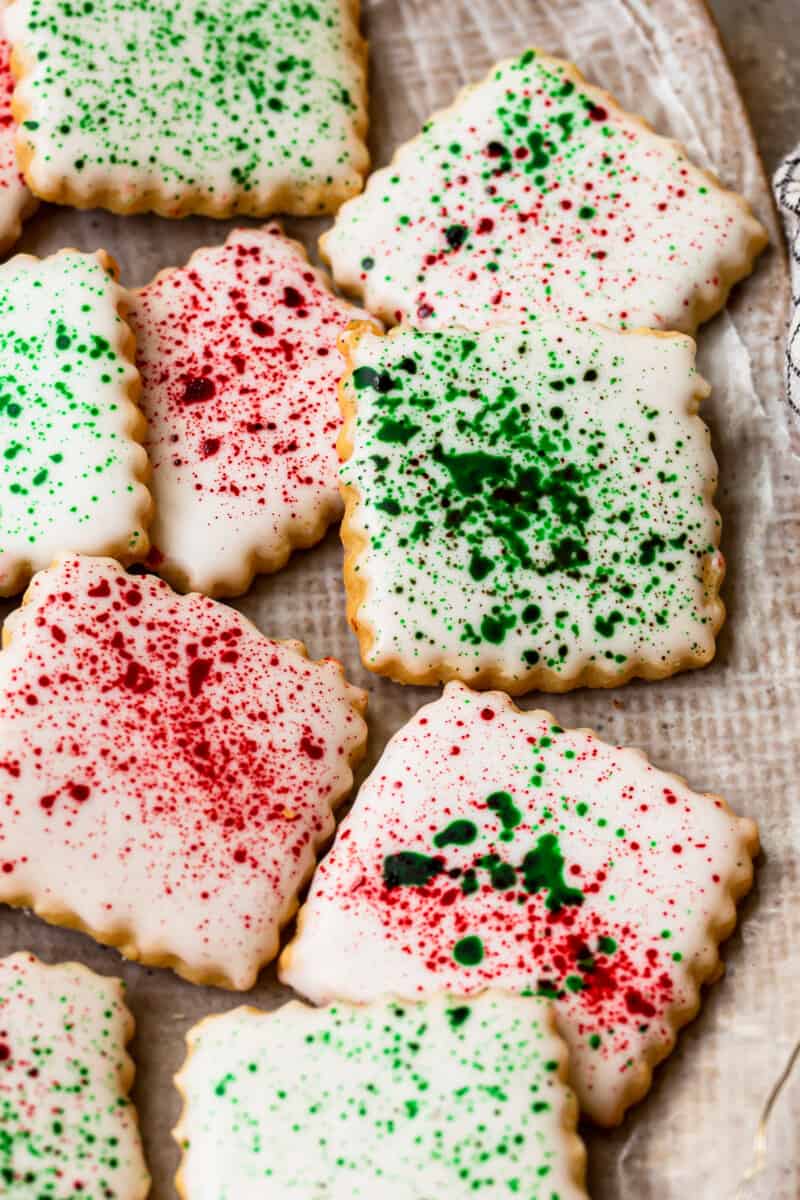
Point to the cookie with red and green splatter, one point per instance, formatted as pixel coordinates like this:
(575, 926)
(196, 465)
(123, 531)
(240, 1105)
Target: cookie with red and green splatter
(528, 508)
(239, 362)
(535, 193)
(71, 463)
(16, 202)
(444, 1097)
(491, 848)
(167, 773)
(68, 1127)
(246, 106)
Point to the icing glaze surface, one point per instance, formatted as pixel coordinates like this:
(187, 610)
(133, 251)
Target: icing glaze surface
(535, 192)
(492, 848)
(240, 365)
(397, 1101)
(16, 201)
(251, 106)
(70, 462)
(166, 772)
(67, 1127)
(529, 508)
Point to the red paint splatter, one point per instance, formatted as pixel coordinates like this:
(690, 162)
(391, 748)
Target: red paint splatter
(311, 748)
(198, 389)
(172, 727)
(242, 409)
(198, 674)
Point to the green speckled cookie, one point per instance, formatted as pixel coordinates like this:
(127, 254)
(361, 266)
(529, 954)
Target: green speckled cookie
(536, 192)
(71, 466)
(67, 1128)
(393, 1101)
(528, 508)
(240, 106)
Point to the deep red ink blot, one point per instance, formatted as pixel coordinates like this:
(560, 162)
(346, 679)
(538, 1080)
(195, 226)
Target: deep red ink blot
(198, 674)
(79, 792)
(292, 298)
(136, 679)
(598, 113)
(5, 1052)
(636, 1003)
(488, 714)
(58, 633)
(209, 447)
(100, 589)
(197, 389)
(485, 225)
(310, 748)
(262, 328)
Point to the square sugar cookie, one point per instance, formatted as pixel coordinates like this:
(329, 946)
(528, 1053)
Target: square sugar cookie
(240, 366)
(491, 848)
(180, 106)
(528, 508)
(72, 469)
(395, 1101)
(167, 773)
(16, 201)
(535, 192)
(67, 1126)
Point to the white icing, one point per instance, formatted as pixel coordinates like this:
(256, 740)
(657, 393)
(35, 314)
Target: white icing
(68, 1128)
(171, 809)
(254, 106)
(390, 1102)
(16, 201)
(658, 245)
(243, 475)
(617, 820)
(624, 420)
(71, 466)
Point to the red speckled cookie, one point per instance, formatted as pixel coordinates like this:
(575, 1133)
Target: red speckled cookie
(166, 772)
(238, 356)
(16, 202)
(492, 848)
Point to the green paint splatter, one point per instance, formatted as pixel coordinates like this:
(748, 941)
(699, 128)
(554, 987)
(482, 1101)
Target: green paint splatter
(504, 528)
(510, 816)
(230, 101)
(457, 833)
(468, 951)
(543, 869)
(409, 869)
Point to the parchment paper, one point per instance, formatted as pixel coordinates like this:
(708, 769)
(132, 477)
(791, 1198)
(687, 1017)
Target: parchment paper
(731, 728)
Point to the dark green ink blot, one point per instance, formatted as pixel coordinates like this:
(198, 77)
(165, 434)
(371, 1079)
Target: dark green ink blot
(457, 833)
(543, 868)
(397, 432)
(409, 869)
(468, 951)
(510, 816)
(457, 1016)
